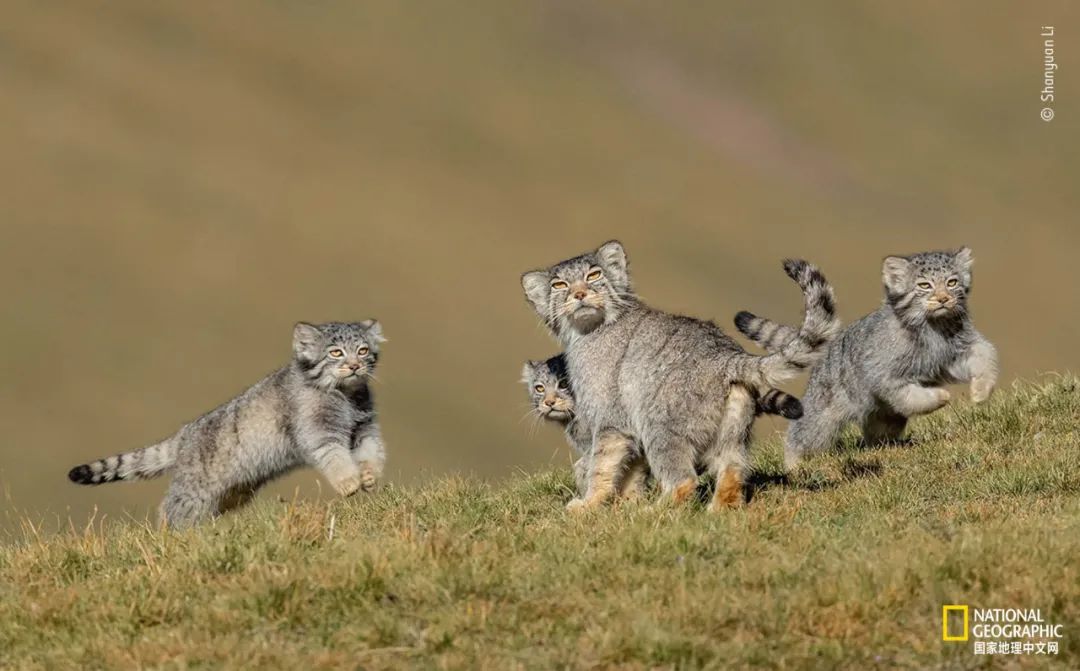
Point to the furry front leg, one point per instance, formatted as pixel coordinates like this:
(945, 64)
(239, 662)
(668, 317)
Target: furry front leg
(333, 460)
(610, 452)
(369, 454)
(913, 399)
(981, 366)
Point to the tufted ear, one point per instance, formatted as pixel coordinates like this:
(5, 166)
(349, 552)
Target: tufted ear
(896, 274)
(374, 330)
(964, 259)
(612, 258)
(537, 286)
(307, 340)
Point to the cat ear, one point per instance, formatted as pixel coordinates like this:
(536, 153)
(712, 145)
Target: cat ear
(537, 286)
(527, 371)
(374, 330)
(963, 258)
(612, 258)
(896, 274)
(306, 341)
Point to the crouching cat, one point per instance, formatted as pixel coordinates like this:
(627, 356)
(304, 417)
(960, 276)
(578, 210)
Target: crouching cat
(317, 411)
(891, 364)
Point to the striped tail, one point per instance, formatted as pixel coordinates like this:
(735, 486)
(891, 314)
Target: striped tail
(770, 335)
(791, 351)
(819, 312)
(148, 462)
(776, 402)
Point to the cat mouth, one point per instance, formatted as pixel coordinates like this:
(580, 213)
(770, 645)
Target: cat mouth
(586, 318)
(557, 414)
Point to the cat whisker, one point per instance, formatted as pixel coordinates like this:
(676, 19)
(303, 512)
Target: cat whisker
(528, 413)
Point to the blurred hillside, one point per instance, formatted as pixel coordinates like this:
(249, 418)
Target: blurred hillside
(182, 181)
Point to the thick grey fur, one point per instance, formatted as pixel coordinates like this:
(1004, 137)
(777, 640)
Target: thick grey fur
(317, 411)
(891, 364)
(551, 398)
(680, 386)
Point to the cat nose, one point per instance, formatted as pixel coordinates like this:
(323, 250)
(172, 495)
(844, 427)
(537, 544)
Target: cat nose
(580, 294)
(549, 402)
(354, 366)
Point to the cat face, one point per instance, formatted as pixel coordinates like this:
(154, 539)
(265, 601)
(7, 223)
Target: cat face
(928, 286)
(549, 391)
(337, 355)
(581, 293)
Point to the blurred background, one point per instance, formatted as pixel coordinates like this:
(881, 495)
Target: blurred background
(182, 181)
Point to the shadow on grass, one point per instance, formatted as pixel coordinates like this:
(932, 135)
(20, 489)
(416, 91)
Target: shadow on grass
(906, 441)
(760, 480)
(852, 469)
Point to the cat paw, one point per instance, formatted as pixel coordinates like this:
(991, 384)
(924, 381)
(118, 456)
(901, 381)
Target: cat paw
(943, 398)
(981, 390)
(683, 491)
(729, 491)
(368, 480)
(792, 459)
(347, 486)
(577, 506)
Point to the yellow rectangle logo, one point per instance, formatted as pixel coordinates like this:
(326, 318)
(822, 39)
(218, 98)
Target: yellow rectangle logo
(945, 610)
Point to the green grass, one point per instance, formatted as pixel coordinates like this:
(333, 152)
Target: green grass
(847, 564)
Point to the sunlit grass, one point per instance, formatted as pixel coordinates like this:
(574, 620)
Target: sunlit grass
(845, 564)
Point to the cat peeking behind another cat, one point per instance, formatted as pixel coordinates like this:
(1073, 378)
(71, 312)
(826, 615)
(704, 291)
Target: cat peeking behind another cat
(891, 364)
(548, 384)
(317, 411)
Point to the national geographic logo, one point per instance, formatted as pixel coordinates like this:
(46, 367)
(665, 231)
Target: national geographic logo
(1001, 631)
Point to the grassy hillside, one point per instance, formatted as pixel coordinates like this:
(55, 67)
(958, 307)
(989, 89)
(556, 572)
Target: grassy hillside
(846, 564)
(182, 183)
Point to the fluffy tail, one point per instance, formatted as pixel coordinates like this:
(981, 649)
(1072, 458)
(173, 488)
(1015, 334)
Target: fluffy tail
(791, 350)
(819, 316)
(776, 402)
(770, 335)
(149, 462)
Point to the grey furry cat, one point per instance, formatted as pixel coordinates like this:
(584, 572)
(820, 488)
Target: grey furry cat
(891, 364)
(552, 399)
(316, 411)
(680, 386)
(548, 384)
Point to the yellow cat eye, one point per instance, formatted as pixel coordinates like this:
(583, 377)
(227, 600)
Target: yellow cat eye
(593, 276)
(336, 353)
(539, 389)
(951, 283)
(924, 285)
(559, 284)
(363, 351)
